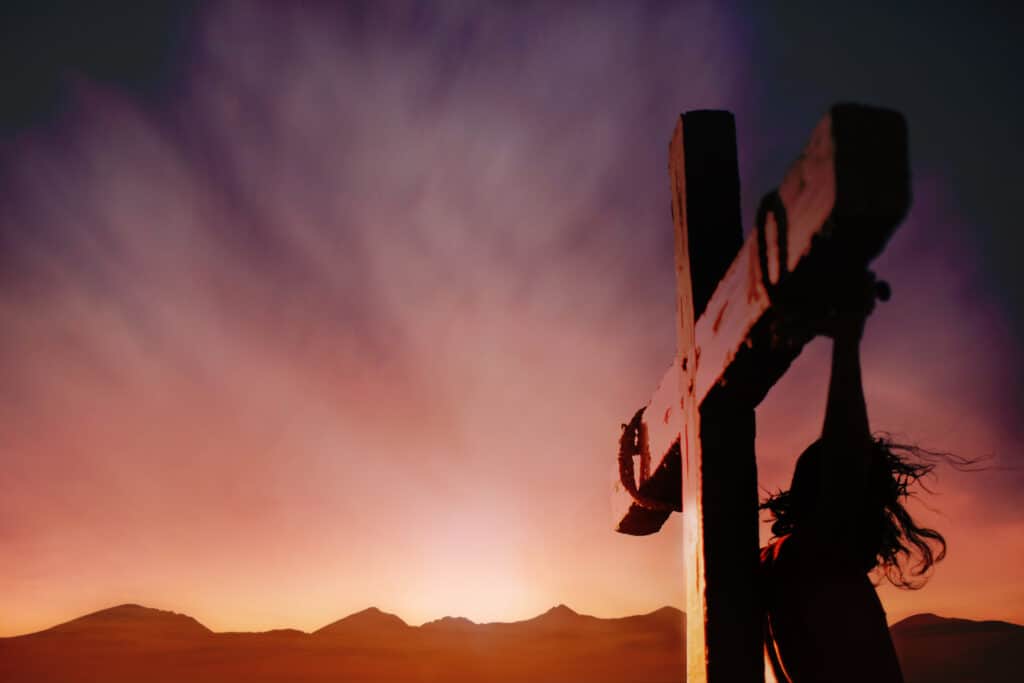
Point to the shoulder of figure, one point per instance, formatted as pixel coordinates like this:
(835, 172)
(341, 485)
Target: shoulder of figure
(807, 553)
(770, 552)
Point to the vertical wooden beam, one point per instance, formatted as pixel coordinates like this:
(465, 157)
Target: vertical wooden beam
(711, 189)
(728, 483)
(723, 640)
(689, 444)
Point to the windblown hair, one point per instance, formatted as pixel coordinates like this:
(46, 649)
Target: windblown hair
(890, 539)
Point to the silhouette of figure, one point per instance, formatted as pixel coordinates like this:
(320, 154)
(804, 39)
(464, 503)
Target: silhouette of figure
(842, 518)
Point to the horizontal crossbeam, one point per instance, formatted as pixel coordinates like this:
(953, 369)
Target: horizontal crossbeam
(836, 207)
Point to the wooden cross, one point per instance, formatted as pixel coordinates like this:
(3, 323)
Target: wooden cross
(745, 310)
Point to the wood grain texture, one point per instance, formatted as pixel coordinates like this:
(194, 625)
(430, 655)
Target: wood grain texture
(833, 212)
(844, 196)
(704, 184)
(689, 415)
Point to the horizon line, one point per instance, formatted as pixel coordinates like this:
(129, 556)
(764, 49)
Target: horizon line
(335, 621)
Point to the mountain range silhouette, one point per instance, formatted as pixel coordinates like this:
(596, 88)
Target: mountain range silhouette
(136, 644)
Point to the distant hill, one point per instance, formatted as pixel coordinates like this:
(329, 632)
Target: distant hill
(128, 621)
(133, 644)
(370, 623)
(934, 649)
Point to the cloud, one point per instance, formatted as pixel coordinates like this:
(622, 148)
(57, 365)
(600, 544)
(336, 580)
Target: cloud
(373, 289)
(365, 274)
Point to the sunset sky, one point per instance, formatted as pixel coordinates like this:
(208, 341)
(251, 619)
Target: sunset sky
(307, 310)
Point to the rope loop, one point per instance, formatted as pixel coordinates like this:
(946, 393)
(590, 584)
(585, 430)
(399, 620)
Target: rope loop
(772, 203)
(634, 442)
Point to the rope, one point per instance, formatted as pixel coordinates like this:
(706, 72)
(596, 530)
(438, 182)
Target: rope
(634, 442)
(772, 203)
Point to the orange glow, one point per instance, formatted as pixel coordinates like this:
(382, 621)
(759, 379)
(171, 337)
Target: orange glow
(319, 338)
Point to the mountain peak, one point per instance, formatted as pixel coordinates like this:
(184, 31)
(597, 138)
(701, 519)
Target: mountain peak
(450, 624)
(918, 620)
(368, 620)
(933, 623)
(561, 610)
(133, 618)
(558, 616)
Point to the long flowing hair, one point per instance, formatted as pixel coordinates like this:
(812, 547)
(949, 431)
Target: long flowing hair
(890, 539)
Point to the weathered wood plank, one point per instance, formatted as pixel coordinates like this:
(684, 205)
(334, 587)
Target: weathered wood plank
(705, 187)
(689, 414)
(720, 644)
(726, 520)
(843, 198)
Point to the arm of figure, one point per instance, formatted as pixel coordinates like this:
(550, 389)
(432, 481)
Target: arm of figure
(846, 425)
(846, 434)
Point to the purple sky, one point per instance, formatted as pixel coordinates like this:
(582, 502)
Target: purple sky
(310, 309)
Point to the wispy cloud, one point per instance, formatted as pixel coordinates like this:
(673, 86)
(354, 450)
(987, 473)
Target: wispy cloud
(354, 319)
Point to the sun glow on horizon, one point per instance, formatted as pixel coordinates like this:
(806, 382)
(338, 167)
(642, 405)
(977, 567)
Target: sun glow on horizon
(353, 321)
